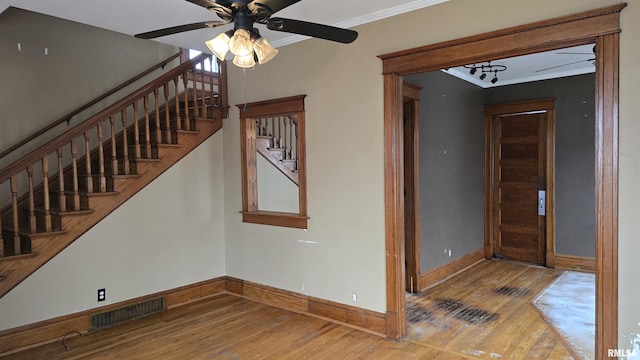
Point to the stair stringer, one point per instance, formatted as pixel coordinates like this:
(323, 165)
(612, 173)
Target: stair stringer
(13, 270)
(276, 158)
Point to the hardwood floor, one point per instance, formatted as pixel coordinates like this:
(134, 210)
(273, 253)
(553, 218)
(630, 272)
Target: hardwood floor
(464, 318)
(487, 312)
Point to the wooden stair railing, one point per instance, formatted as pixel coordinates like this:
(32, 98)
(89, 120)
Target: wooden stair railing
(67, 118)
(46, 193)
(276, 142)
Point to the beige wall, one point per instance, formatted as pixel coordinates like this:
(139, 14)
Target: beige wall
(82, 63)
(345, 181)
(168, 235)
(345, 151)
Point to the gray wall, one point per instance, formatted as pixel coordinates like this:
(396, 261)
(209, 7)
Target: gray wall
(575, 153)
(452, 153)
(82, 62)
(451, 168)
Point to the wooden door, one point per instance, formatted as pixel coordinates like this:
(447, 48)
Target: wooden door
(519, 171)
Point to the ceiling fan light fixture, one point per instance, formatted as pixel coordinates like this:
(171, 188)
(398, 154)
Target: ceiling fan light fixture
(264, 51)
(240, 43)
(219, 45)
(244, 61)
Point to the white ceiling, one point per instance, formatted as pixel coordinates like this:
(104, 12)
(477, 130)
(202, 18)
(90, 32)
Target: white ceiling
(540, 66)
(137, 16)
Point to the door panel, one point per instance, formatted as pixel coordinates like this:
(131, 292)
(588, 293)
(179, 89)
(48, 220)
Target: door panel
(519, 172)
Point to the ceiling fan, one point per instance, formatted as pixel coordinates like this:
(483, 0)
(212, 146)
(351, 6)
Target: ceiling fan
(245, 41)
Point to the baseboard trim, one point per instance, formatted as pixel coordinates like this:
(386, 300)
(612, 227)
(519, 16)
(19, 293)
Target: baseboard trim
(362, 319)
(433, 276)
(577, 263)
(47, 331)
(52, 330)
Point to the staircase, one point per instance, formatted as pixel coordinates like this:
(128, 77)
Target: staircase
(276, 141)
(56, 193)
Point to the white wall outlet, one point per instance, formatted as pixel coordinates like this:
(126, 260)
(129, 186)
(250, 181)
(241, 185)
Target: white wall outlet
(355, 297)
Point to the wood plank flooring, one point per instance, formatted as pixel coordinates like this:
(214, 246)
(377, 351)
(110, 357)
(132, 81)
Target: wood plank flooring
(463, 318)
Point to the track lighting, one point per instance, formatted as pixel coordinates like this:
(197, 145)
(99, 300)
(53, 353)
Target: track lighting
(485, 69)
(495, 77)
(247, 47)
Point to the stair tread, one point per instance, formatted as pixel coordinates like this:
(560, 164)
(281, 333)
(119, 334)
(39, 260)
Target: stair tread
(106, 193)
(148, 160)
(57, 211)
(45, 234)
(15, 258)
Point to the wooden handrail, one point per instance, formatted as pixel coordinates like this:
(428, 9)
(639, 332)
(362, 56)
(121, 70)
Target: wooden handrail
(78, 130)
(68, 116)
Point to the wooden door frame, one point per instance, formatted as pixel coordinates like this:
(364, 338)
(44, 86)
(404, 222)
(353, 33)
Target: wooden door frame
(411, 95)
(521, 107)
(600, 26)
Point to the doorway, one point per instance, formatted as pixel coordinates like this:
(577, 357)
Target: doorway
(541, 36)
(411, 119)
(519, 191)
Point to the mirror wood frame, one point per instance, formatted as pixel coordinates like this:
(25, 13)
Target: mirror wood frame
(250, 210)
(600, 26)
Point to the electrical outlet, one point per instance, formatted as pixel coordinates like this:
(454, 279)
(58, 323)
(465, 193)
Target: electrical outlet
(355, 297)
(102, 294)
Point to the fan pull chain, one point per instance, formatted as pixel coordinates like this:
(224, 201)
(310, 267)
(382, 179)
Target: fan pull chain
(244, 87)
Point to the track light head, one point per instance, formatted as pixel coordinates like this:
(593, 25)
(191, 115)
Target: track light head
(483, 76)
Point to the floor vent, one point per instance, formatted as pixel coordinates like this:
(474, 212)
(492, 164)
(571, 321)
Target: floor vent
(130, 312)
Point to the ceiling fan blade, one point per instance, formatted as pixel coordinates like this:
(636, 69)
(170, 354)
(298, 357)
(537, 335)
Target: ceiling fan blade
(180, 28)
(222, 9)
(558, 66)
(273, 5)
(312, 29)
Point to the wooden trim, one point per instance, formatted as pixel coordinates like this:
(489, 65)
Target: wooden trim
(411, 138)
(363, 319)
(547, 35)
(607, 71)
(250, 207)
(577, 263)
(281, 106)
(394, 207)
(546, 105)
(411, 91)
(47, 331)
(442, 272)
(600, 26)
(52, 330)
(275, 219)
